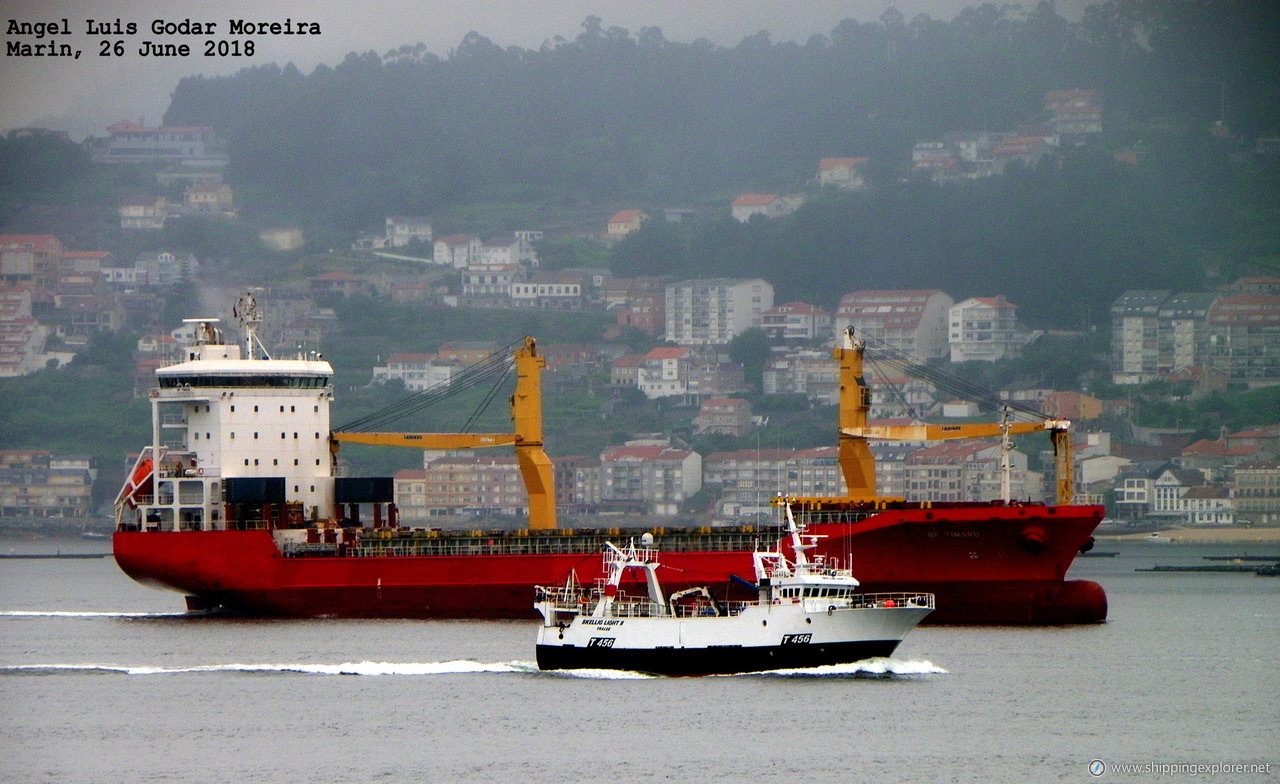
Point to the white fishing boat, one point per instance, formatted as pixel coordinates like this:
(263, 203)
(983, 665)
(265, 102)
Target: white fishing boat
(808, 613)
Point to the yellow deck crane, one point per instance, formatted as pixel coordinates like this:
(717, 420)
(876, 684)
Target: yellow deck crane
(526, 416)
(858, 464)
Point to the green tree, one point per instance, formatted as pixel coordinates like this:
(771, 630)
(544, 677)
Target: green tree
(750, 348)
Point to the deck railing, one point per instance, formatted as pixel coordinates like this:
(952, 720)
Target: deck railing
(868, 601)
(419, 543)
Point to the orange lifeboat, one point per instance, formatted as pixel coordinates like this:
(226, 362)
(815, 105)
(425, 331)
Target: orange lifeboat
(140, 479)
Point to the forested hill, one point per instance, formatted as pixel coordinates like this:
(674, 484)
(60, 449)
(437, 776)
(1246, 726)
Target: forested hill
(627, 117)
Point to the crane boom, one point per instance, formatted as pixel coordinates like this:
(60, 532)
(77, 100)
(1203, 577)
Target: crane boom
(526, 414)
(429, 440)
(943, 432)
(857, 464)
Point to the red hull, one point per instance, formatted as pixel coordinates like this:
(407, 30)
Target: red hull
(985, 564)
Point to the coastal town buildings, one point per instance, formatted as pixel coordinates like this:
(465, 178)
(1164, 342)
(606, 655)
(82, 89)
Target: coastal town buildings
(623, 222)
(29, 259)
(842, 172)
(795, 322)
(37, 483)
(1232, 332)
(715, 310)
(194, 146)
(984, 329)
(417, 372)
(658, 476)
(913, 321)
(402, 230)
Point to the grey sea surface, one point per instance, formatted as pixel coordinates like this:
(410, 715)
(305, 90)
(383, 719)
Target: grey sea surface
(105, 680)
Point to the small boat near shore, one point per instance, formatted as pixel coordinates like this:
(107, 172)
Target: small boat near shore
(1242, 558)
(808, 613)
(1265, 570)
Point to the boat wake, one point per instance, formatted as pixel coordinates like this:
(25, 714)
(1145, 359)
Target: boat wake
(879, 667)
(88, 614)
(876, 668)
(456, 667)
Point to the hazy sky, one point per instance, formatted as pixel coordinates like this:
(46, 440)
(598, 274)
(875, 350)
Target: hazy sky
(84, 95)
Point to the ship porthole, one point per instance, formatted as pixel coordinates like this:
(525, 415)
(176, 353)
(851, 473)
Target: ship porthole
(808, 620)
(764, 623)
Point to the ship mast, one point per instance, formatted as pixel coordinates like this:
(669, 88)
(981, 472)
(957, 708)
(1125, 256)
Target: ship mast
(1006, 464)
(246, 313)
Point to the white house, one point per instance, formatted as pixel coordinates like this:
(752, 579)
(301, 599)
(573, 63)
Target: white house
(842, 172)
(665, 371)
(623, 222)
(401, 230)
(1182, 498)
(417, 371)
(985, 329)
(500, 250)
(796, 321)
(769, 205)
(458, 251)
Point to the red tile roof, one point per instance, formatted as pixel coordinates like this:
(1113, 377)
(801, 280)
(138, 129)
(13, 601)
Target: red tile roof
(642, 453)
(835, 163)
(754, 199)
(629, 360)
(40, 242)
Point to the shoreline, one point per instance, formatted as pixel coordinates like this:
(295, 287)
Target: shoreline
(1176, 535)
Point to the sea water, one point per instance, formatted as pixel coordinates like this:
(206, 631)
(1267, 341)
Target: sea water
(104, 680)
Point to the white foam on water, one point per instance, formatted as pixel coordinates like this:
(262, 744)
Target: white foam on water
(455, 667)
(868, 667)
(599, 675)
(86, 614)
(879, 666)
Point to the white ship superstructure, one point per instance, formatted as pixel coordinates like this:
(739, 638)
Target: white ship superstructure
(228, 415)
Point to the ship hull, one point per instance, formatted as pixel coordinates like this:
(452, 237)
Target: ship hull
(711, 661)
(986, 564)
(784, 634)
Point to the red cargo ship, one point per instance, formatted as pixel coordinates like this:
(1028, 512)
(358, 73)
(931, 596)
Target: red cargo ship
(239, 509)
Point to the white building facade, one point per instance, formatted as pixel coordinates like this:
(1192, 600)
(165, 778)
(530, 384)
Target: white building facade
(910, 320)
(985, 329)
(714, 311)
